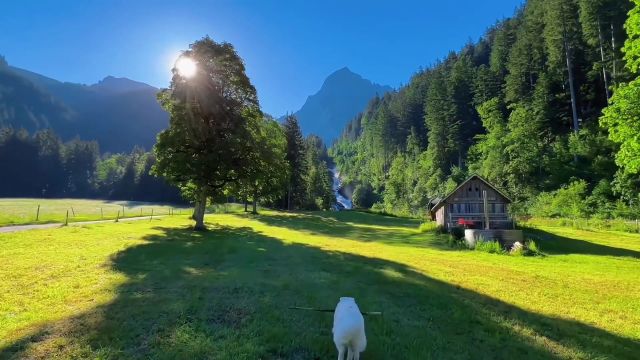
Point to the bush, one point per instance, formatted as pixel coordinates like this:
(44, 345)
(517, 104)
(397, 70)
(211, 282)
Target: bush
(568, 201)
(378, 208)
(532, 248)
(364, 196)
(489, 246)
(428, 226)
(455, 243)
(457, 232)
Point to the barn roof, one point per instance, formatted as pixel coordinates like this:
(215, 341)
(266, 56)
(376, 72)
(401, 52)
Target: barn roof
(442, 201)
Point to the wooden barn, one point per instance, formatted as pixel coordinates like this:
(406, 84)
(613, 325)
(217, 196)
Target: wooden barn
(465, 206)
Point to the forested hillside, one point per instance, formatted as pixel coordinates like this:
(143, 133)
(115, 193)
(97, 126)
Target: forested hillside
(520, 107)
(119, 113)
(23, 104)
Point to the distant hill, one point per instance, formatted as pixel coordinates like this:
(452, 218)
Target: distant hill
(342, 96)
(117, 112)
(25, 105)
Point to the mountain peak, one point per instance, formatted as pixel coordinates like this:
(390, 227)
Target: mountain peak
(344, 70)
(343, 73)
(114, 84)
(342, 96)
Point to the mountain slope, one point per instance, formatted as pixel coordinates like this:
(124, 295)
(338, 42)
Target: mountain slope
(119, 113)
(342, 96)
(25, 105)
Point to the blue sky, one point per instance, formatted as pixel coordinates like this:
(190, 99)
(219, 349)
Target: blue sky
(289, 47)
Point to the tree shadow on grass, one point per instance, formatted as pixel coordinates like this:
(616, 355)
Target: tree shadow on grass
(357, 226)
(367, 218)
(224, 294)
(561, 245)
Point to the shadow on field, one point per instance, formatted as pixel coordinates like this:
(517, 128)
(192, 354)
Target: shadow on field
(366, 218)
(357, 226)
(561, 245)
(224, 294)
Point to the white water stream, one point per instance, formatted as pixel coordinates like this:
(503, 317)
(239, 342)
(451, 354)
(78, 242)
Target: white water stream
(342, 202)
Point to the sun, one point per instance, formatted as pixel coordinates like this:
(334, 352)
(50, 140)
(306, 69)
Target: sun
(186, 66)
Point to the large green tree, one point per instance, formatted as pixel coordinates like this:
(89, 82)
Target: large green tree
(268, 171)
(622, 117)
(212, 123)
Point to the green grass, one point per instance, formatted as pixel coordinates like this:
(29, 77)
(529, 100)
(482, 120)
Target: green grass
(24, 211)
(154, 289)
(622, 225)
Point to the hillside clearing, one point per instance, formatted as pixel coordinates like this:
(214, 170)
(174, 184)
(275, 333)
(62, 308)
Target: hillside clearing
(157, 290)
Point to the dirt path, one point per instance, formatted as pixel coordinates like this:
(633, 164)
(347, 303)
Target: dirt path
(16, 228)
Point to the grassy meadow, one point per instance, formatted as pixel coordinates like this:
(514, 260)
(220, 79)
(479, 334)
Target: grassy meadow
(21, 211)
(154, 289)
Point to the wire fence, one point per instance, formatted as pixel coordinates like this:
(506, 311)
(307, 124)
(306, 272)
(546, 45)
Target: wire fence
(18, 212)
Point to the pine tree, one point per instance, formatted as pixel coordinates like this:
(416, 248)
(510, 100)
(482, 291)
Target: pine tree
(488, 154)
(443, 127)
(296, 158)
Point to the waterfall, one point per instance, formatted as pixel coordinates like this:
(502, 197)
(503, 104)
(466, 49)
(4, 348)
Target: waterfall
(341, 201)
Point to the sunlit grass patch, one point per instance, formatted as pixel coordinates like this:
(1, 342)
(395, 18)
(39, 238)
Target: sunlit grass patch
(158, 290)
(31, 211)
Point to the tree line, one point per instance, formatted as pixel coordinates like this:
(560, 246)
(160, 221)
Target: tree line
(219, 146)
(41, 165)
(520, 107)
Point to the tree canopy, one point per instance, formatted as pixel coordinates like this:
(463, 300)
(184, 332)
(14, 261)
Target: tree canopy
(213, 124)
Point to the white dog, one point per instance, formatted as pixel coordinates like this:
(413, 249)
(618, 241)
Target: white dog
(348, 329)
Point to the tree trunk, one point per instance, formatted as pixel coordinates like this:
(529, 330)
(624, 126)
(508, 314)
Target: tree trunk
(574, 106)
(604, 69)
(255, 204)
(198, 211)
(245, 204)
(613, 55)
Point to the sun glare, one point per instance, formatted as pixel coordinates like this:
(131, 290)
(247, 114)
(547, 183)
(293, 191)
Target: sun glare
(186, 67)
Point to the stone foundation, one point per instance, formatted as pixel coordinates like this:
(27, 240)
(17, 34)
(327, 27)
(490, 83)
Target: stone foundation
(505, 237)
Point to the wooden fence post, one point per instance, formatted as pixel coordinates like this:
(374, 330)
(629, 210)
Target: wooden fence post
(122, 210)
(73, 212)
(151, 218)
(118, 216)
(38, 213)
(66, 219)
